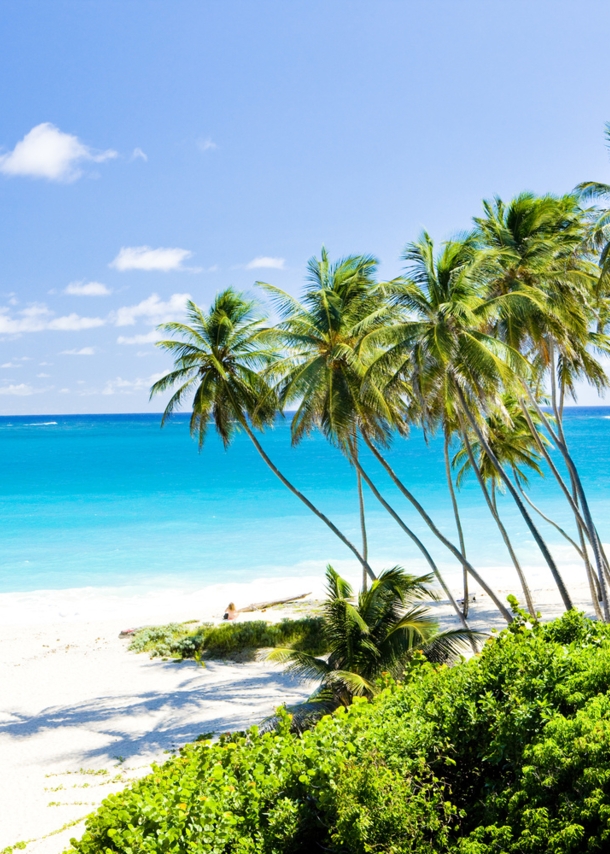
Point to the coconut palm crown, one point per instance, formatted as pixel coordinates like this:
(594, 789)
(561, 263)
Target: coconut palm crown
(219, 358)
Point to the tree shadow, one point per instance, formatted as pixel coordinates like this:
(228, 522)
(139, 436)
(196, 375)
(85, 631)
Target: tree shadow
(178, 716)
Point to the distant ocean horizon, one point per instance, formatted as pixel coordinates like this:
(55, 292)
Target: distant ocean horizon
(114, 501)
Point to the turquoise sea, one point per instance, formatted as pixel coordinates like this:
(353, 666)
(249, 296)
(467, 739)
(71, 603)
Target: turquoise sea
(113, 500)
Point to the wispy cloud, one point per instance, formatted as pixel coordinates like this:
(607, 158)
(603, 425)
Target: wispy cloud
(84, 351)
(38, 317)
(21, 390)
(164, 259)
(145, 338)
(264, 262)
(121, 386)
(138, 154)
(206, 144)
(87, 289)
(47, 152)
(153, 310)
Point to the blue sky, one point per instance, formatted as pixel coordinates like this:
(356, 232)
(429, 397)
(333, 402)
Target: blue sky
(150, 150)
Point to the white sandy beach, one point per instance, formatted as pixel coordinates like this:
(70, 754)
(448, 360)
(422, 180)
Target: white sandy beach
(80, 716)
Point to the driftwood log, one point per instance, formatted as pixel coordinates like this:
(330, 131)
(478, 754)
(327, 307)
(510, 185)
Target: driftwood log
(261, 606)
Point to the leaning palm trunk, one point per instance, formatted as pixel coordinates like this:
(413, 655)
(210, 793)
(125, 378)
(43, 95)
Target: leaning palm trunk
(353, 446)
(572, 499)
(563, 592)
(447, 543)
(365, 545)
(458, 521)
(419, 545)
(493, 509)
(548, 519)
(584, 504)
(580, 549)
(364, 563)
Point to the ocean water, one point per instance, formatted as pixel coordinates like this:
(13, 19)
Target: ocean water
(114, 501)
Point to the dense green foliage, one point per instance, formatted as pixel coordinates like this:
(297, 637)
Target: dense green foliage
(507, 752)
(179, 640)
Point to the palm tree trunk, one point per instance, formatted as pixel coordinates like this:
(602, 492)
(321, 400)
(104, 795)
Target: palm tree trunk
(522, 509)
(573, 502)
(365, 545)
(589, 524)
(596, 592)
(419, 545)
(548, 519)
(558, 412)
(306, 501)
(493, 509)
(555, 471)
(353, 446)
(447, 543)
(458, 521)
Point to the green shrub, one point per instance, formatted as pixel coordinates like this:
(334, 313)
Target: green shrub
(508, 752)
(176, 640)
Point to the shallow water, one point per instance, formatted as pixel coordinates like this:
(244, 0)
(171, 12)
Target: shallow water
(113, 500)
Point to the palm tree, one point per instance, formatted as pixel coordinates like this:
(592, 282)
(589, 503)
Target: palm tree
(366, 637)
(442, 349)
(219, 360)
(546, 290)
(328, 335)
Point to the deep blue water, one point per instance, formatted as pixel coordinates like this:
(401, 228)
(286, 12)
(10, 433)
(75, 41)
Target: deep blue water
(108, 500)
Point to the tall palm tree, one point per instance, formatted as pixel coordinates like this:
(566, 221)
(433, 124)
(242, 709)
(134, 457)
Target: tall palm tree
(546, 290)
(374, 634)
(328, 334)
(219, 361)
(448, 340)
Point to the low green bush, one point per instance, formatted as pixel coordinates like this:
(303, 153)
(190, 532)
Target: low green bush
(178, 640)
(507, 753)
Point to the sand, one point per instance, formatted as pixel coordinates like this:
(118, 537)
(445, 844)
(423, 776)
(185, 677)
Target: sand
(80, 715)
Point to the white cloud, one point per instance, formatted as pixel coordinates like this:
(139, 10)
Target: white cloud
(264, 262)
(64, 391)
(47, 152)
(41, 376)
(87, 289)
(121, 386)
(21, 390)
(84, 351)
(145, 258)
(10, 365)
(147, 338)
(153, 310)
(37, 318)
(138, 154)
(206, 144)
(74, 323)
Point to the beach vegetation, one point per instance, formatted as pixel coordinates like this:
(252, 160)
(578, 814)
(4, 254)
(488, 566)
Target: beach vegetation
(505, 752)
(235, 639)
(369, 637)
